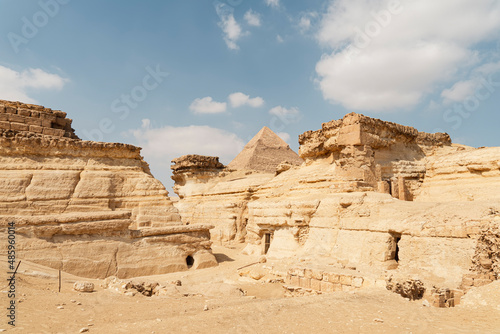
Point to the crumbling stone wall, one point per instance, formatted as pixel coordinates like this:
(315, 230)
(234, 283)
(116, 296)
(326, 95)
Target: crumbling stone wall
(210, 193)
(385, 156)
(486, 260)
(88, 208)
(18, 116)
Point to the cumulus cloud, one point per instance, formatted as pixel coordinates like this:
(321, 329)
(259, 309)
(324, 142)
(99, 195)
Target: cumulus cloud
(459, 91)
(480, 78)
(252, 18)
(194, 139)
(239, 99)
(273, 3)
(16, 85)
(387, 56)
(161, 145)
(207, 105)
(231, 29)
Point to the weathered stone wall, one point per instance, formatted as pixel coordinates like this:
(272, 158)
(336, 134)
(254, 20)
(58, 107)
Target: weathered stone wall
(211, 194)
(101, 244)
(46, 175)
(462, 174)
(385, 156)
(89, 208)
(18, 116)
(372, 195)
(329, 210)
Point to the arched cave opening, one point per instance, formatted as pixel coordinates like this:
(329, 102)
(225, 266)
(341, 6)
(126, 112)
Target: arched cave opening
(189, 261)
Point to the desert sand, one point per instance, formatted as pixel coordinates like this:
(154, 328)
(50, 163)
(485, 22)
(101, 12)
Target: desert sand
(218, 300)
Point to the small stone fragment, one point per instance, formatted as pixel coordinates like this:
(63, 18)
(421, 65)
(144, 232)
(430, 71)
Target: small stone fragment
(83, 286)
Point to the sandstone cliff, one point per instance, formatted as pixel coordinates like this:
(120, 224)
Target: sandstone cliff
(89, 208)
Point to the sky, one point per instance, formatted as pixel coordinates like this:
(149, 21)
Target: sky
(203, 77)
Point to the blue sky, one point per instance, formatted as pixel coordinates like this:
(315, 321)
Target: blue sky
(193, 76)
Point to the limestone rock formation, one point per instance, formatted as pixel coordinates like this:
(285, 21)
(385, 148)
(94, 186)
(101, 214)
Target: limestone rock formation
(371, 196)
(89, 208)
(210, 193)
(213, 193)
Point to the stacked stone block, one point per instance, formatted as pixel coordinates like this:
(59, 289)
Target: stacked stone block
(445, 297)
(323, 281)
(18, 116)
(476, 280)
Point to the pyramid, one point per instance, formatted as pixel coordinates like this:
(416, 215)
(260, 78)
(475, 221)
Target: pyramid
(264, 153)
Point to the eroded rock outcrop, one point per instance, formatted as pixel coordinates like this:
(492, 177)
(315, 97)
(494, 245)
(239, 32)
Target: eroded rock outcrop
(89, 208)
(375, 196)
(210, 193)
(213, 193)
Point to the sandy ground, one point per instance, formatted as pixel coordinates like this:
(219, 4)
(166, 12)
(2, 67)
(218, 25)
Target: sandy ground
(209, 301)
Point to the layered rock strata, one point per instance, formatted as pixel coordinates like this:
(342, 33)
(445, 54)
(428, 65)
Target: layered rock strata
(378, 196)
(210, 193)
(89, 208)
(213, 193)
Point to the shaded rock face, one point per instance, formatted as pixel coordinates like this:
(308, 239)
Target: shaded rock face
(372, 195)
(89, 208)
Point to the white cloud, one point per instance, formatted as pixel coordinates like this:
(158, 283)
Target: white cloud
(283, 135)
(285, 115)
(279, 39)
(207, 105)
(273, 3)
(478, 80)
(239, 99)
(16, 85)
(192, 139)
(252, 18)
(459, 91)
(306, 21)
(161, 145)
(386, 58)
(284, 112)
(231, 29)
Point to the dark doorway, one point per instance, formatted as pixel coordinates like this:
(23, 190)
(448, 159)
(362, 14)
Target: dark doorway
(267, 242)
(189, 261)
(396, 252)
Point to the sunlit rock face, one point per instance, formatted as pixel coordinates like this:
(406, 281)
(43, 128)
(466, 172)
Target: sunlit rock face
(88, 208)
(213, 193)
(370, 195)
